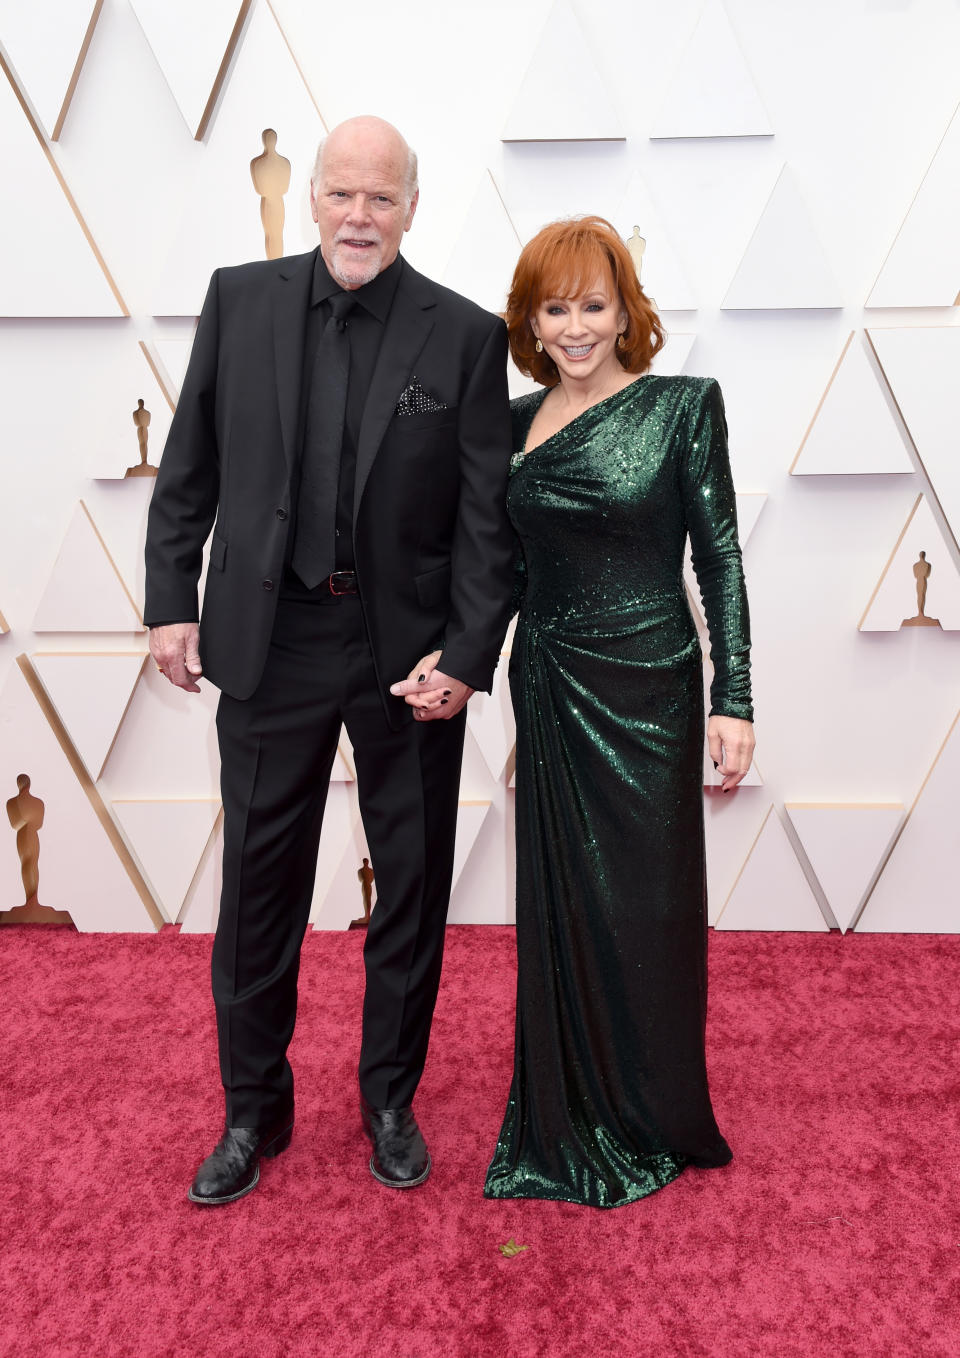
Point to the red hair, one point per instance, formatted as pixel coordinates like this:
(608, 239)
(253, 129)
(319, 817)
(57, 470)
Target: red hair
(563, 260)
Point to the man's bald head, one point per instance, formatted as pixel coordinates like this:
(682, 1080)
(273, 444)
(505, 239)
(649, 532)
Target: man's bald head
(363, 195)
(376, 137)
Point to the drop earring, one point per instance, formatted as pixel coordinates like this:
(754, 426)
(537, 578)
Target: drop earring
(539, 347)
(620, 343)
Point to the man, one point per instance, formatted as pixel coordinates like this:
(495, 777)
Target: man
(344, 429)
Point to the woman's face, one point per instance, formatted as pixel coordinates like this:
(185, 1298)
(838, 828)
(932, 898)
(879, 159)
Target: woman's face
(580, 333)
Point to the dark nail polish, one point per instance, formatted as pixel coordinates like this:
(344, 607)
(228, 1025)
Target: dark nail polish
(421, 678)
(443, 702)
(715, 764)
(447, 692)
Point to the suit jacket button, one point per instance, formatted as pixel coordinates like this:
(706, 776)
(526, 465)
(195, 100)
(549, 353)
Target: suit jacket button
(266, 584)
(281, 513)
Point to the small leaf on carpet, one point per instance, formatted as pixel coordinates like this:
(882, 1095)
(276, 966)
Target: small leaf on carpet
(511, 1249)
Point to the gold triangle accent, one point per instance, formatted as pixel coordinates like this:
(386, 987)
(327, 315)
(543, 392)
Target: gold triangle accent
(747, 857)
(826, 392)
(221, 73)
(81, 58)
(161, 382)
(201, 864)
(913, 443)
(37, 132)
(896, 548)
(106, 552)
(90, 789)
(906, 819)
(293, 58)
(97, 655)
(913, 203)
(4, 625)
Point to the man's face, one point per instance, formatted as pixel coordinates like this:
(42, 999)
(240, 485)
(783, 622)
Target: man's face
(360, 203)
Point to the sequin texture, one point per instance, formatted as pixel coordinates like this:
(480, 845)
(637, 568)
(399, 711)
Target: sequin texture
(609, 1099)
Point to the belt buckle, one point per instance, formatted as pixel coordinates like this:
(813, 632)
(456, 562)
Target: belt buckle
(342, 577)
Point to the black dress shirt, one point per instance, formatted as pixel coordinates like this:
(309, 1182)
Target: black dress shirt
(365, 326)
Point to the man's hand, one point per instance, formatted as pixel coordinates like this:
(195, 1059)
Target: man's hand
(176, 650)
(730, 741)
(433, 695)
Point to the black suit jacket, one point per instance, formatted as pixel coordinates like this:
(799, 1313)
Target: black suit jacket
(431, 539)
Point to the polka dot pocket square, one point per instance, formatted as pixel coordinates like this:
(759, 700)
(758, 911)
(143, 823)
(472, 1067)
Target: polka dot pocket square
(415, 400)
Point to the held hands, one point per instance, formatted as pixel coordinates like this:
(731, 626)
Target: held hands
(434, 696)
(175, 648)
(730, 741)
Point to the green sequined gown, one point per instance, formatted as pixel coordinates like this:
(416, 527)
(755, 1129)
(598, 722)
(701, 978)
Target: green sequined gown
(609, 1099)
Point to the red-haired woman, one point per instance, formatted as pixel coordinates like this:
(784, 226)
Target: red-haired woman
(614, 467)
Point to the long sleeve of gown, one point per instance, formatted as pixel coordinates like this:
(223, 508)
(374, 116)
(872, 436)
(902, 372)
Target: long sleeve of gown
(710, 506)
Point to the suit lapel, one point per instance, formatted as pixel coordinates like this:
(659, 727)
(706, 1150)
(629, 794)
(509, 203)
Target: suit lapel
(289, 335)
(408, 325)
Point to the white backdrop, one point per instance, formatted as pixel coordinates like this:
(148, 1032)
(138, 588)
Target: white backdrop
(795, 169)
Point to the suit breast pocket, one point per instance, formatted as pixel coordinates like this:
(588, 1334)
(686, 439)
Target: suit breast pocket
(439, 421)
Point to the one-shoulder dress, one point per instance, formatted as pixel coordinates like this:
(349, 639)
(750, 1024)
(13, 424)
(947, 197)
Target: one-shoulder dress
(609, 1099)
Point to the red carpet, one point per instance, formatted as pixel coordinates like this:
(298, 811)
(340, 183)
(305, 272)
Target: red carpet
(835, 1231)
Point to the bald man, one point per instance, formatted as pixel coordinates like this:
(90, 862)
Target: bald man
(344, 430)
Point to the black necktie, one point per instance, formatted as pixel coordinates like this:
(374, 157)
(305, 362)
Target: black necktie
(314, 548)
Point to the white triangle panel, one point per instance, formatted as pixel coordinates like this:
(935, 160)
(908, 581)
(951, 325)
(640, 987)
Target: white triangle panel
(506, 650)
(78, 867)
(479, 894)
(855, 430)
(846, 846)
(470, 817)
(343, 770)
(712, 93)
(921, 366)
(166, 747)
(670, 361)
(201, 907)
(476, 781)
(784, 266)
(662, 275)
(732, 822)
(563, 96)
(84, 592)
(46, 42)
(749, 505)
(90, 693)
(190, 46)
(118, 444)
(772, 891)
(57, 272)
(485, 255)
(219, 212)
(919, 888)
(895, 598)
(168, 839)
(490, 719)
(174, 355)
(922, 268)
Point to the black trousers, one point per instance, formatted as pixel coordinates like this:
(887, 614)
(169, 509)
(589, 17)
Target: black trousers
(276, 751)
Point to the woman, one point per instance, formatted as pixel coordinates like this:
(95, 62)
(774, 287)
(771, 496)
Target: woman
(613, 468)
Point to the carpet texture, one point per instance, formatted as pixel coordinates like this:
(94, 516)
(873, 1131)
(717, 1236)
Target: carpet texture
(834, 1068)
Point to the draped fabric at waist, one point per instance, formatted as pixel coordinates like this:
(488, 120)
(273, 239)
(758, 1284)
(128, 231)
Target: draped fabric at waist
(657, 622)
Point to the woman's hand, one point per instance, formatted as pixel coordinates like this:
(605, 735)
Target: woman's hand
(432, 694)
(731, 744)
